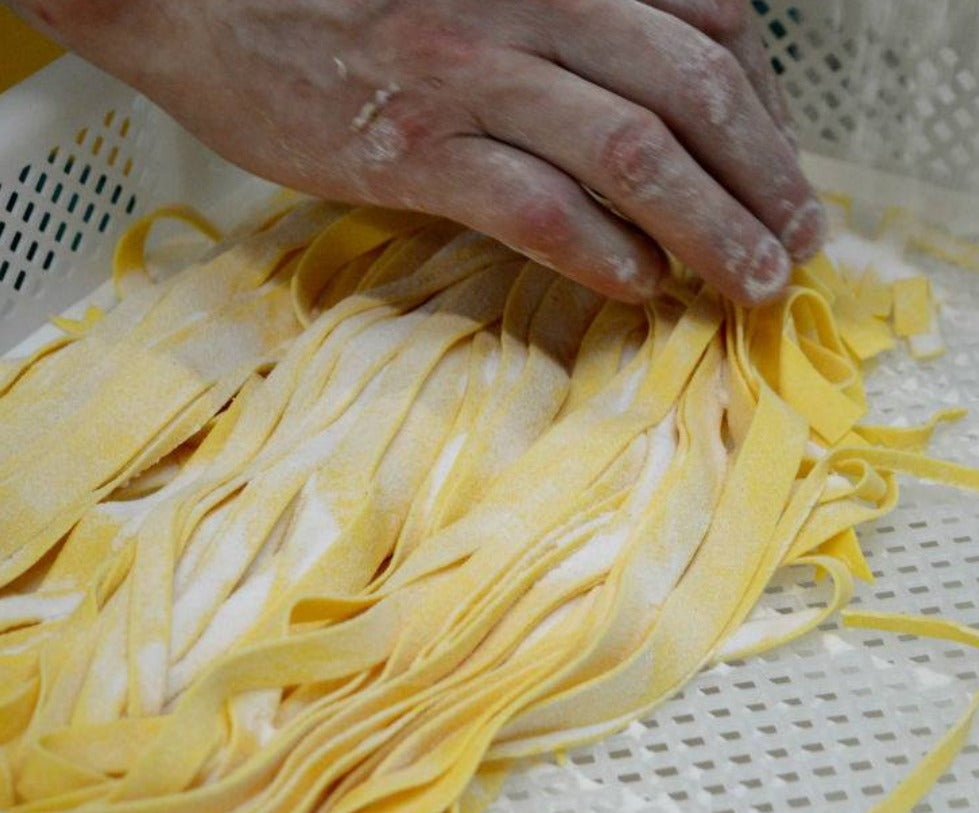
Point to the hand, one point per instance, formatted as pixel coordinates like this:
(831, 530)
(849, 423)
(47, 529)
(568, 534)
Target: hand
(496, 113)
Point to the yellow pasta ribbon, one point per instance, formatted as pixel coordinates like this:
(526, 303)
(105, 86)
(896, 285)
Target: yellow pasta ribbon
(912, 306)
(362, 507)
(129, 261)
(913, 787)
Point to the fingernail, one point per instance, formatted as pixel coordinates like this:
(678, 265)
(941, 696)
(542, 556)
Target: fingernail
(767, 272)
(805, 232)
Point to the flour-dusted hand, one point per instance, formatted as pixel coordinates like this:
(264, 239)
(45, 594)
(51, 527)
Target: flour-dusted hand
(496, 113)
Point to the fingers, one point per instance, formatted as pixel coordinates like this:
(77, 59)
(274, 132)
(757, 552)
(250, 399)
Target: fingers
(536, 209)
(702, 94)
(748, 48)
(732, 24)
(630, 156)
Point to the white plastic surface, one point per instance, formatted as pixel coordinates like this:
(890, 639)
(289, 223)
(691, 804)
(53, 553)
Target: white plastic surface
(81, 155)
(829, 724)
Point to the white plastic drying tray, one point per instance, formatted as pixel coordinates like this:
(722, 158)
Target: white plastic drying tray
(828, 724)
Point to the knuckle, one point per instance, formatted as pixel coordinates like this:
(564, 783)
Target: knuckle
(446, 50)
(639, 158)
(717, 82)
(399, 129)
(413, 124)
(426, 42)
(720, 62)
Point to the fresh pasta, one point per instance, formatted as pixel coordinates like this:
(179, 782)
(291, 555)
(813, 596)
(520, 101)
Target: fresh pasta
(362, 507)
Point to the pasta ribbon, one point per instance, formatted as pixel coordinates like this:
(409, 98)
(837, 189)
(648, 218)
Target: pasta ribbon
(361, 507)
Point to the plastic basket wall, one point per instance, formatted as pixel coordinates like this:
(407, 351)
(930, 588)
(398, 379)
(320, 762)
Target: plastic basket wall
(887, 100)
(81, 155)
(887, 84)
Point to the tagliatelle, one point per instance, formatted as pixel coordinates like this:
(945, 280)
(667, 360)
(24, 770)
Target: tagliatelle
(364, 506)
(931, 768)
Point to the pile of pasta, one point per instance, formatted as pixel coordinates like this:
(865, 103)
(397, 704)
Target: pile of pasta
(362, 507)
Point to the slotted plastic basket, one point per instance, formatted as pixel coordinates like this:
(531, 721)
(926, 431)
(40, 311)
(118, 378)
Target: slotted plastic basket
(886, 96)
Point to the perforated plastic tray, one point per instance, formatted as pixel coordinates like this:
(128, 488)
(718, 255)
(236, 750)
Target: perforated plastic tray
(81, 155)
(830, 723)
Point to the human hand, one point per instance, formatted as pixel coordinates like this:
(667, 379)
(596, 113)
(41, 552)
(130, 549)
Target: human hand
(495, 114)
